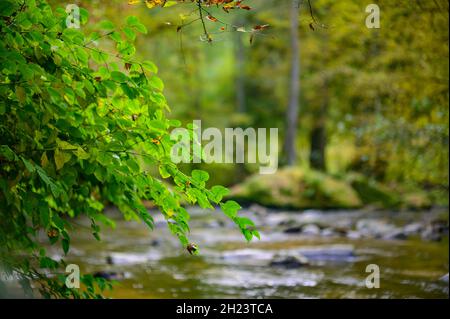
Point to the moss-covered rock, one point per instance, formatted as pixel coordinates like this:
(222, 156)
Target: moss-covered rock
(373, 193)
(296, 188)
(394, 196)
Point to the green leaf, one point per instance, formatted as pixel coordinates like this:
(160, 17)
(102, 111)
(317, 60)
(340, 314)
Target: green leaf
(218, 192)
(82, 55)
(30, 167)
(163, 171)
(81, 153)
(64, 145)
(84, 15)
(200, 176)
(170, 3)
(134, 22)
(141, 28)
(129, 33)
(66, 245)
(150, 66)
(157, 83)
(106, 25)
(230, 208)
(69, 95)
(61, 158)
(46, 262)
(54, 94)
(8, 153)
(7, 7)
(44, 215)
(244, 222)
(99, 57)
(119, 76)
(21, 94)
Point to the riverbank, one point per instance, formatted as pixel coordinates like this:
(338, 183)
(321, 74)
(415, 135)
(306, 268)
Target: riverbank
(299, 188)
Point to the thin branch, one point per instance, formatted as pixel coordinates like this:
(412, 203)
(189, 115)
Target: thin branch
(199, 5)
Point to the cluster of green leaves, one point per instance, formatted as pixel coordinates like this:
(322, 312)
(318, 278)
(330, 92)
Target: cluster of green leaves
(80, 128)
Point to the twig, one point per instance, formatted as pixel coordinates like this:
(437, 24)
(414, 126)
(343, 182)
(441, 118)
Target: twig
(199, 5)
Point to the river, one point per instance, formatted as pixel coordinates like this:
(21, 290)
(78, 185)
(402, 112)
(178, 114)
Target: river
(311, 254)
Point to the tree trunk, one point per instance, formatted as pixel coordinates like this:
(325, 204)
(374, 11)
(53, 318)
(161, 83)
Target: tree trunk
(294, 94)
(318, 139)
(239, 84)
(239, 55)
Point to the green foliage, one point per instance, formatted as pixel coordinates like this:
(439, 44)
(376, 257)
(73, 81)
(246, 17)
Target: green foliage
(296, 188)
(82, 128)
(384, 90)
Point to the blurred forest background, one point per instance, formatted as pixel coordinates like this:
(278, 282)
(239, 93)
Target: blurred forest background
(363, 119)
(372, 103)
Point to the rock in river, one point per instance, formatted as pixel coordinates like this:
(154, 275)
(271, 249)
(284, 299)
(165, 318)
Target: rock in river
(311, 230)
(293, 230)
(374, 228)
(110, 275)
(396, 234)
(329, 232)
(332, 253)
(289, 261)
(413, 229)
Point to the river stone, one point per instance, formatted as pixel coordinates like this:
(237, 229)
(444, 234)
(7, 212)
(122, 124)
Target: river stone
(293, 230)
(374, 228)
(132, 258)
(397, 234)
(430, 234)
(289, 261)
(214, 224)
(242, 255)
(353, 234)
(329, 232)
(413, 229)
(311, 230)
(332, 252)
(435, 230)
(444, 278)
(155, 243)
(109, 260)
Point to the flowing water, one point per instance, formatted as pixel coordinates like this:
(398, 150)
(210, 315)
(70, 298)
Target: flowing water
(152, 264)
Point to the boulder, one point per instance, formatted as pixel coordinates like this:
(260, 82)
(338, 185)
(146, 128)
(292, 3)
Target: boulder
(311, 230)
(329, 232)
(373, 193)
(289, 261)
(331, 253)
(353, 234)
(397, 234)
(413, 229)
(374, 228)
(296, 188)
(293, 230)
(435, 230)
